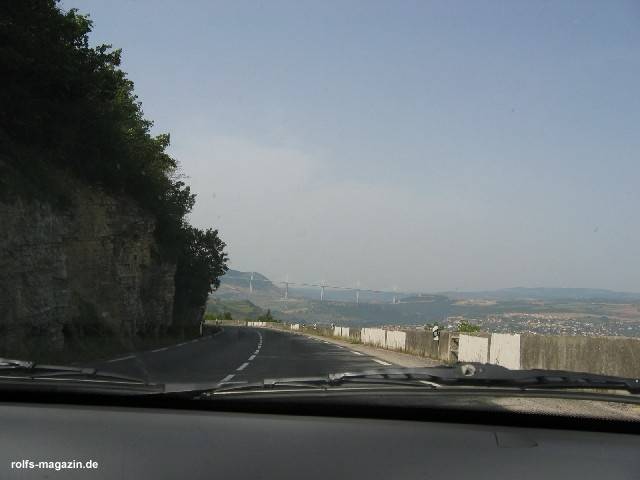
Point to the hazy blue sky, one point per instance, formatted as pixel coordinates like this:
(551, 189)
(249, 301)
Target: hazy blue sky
(418, 144)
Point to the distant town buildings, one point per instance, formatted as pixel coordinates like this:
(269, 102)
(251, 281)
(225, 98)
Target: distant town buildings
(554, 324)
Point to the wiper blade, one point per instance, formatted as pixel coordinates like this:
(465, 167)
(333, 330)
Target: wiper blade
(11, 368)
(478, 374)
(10, 364)
(366, 378)
(462, 375)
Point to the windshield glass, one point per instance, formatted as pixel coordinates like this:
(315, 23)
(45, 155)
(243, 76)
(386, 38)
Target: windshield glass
(220, 193)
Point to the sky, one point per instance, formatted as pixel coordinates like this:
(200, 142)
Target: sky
(421, 145)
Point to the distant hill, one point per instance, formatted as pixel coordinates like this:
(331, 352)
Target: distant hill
(239, 309)
(235, 284)
(349, 296)
(548, 293)
(339, 306)
(423, 298)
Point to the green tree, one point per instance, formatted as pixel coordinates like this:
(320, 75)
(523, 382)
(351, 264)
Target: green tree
(267, 317)
(466, 327)
(67, 107)
(201, 262)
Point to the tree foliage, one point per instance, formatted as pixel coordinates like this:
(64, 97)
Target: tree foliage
(67, 106)
(267, 317)
(201, 262)
(466, 327)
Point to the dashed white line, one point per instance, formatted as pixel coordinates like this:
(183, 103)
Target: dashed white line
(357, 353)
(181, 344)
(381, 362)
(128, 357)
(160, 349)
(244, 365)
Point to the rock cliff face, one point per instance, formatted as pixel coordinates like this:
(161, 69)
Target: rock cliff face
(92, 269)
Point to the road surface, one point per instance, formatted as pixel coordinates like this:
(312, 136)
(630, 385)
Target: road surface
(238, 355)
(242, 354)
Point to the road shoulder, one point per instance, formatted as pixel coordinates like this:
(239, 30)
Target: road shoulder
(390, 356)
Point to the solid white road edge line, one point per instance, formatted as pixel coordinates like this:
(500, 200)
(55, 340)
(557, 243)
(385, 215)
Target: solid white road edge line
(128, 357)
(381, 362)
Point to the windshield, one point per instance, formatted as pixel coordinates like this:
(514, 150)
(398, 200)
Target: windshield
(221, 194)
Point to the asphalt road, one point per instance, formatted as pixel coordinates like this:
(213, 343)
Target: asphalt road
(242, 354)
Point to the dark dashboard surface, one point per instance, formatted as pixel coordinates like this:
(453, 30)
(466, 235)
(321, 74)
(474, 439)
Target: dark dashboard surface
(132, 443)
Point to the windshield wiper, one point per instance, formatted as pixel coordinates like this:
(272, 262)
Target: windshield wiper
(463, 375)
(12, 369)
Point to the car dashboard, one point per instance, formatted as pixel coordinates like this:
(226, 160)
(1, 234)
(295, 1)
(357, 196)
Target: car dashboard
(155, 443)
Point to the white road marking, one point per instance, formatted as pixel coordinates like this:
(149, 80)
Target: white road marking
(252, 357)
(426, 382)
(256, 352)
(381, 362)
(357, 353)
(244, 365)
(129, 357)
(239, 381)
(227, 378)
(160, 349)
(181, 344)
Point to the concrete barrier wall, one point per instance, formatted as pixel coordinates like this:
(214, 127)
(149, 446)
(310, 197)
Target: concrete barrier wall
(354, 334)
(396, 340)
(340, 331)
(505, 350)
(226, 322)
(444, 347)
(605, 355)
(374, 336)
(324, 331)
(417, 343)
(473, 349)
(278, 326)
